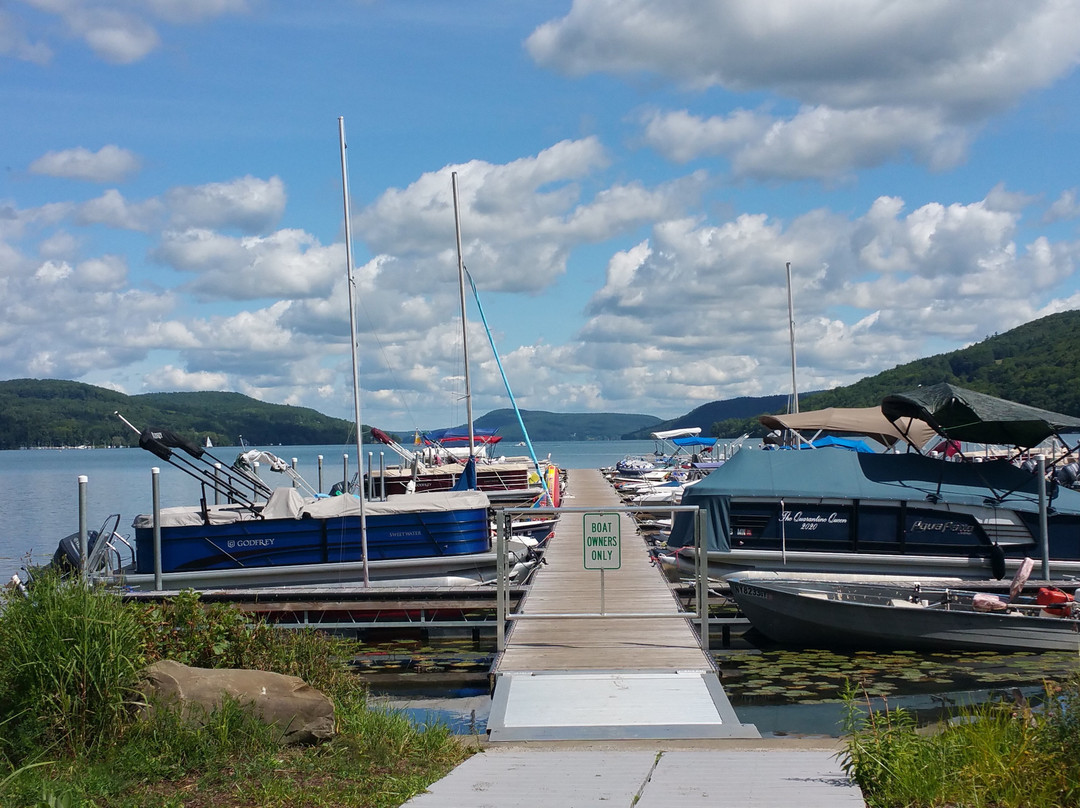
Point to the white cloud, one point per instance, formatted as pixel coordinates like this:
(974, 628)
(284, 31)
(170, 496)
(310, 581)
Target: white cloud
(816, 143)
(876, 81)
(969, 56)
(249, 204)
(1065, 207)
(871, 292)
(15, 43)
(172, 378)
(287, 263)
(108, 164)
(113, 210)
(117, 31)
(115, 36)
(519, 221)
(109, 272)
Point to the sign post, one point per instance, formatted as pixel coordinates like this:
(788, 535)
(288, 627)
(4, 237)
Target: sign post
(601, 545)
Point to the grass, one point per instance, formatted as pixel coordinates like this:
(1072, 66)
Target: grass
(997, 755)
(69, 736)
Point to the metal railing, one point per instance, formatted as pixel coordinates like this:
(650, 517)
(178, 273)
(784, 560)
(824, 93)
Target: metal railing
(503, 517)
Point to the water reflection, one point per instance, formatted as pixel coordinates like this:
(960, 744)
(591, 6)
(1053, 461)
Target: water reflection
(783, 691)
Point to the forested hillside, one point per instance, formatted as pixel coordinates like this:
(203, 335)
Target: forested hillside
(735, 409)
(50, 412)
(1037, 363)
(553, 426)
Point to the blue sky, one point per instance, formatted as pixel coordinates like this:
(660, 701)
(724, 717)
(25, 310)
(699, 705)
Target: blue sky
(633, 178)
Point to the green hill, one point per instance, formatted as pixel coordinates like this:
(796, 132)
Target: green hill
(738, 409)
(50, 412)
(1037, 363)
(556, 426)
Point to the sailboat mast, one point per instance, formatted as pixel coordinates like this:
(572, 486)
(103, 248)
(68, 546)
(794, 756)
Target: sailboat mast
(791, 334)
(464, 324)
(351, 284)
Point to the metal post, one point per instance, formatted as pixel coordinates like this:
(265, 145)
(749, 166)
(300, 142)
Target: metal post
(155, 473)
(345, 470)
(294, 469)
(320, 473)
(217, 480)
(500, 582)
(1044, 529)
(601, 591)
(382, 476)
(84, 550)
(370, 479)
(702, 576)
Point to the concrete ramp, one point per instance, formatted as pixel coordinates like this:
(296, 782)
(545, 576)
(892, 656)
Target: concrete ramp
(610, 705)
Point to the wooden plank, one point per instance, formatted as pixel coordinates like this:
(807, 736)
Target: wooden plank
(563, 585)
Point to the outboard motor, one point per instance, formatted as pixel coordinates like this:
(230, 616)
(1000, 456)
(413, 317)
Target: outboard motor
(1068, 474)
(67, 559)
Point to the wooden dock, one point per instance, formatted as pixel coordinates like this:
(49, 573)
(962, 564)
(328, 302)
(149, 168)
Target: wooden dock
(567, 675)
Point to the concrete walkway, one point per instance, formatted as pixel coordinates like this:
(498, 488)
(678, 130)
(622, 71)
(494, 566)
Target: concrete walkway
(774, 773)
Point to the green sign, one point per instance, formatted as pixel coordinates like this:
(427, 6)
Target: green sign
(602, 541)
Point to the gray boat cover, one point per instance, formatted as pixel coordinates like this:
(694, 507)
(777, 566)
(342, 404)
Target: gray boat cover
(836, 474)
(286, 503)
(428, 502)
(965, 415)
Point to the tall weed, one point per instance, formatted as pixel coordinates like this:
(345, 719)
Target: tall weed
(1004, 754)
(71, 657)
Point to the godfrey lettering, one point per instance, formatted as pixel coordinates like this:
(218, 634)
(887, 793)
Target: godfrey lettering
(251, 542)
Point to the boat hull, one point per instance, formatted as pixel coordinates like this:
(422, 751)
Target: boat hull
(845, 616)
(473, 569)
(722, 563)
(285, 542)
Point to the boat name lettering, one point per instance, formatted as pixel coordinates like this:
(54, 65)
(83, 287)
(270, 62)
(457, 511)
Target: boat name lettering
(811, 521)
(602, 541)
(400, 534)
(251, 542)
(958, 528)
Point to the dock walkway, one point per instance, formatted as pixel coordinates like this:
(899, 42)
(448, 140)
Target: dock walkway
(610, 677)
(623, 712)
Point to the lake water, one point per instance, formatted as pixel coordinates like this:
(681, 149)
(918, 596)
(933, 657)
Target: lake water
(780, 690)
(40, 500)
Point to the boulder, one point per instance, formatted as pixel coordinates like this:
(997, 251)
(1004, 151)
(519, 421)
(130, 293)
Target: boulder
(303, 713)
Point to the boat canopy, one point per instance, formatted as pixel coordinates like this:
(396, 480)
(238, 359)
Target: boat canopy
(695, 440)
(868, 421)
(965, 415)
(460, 434)
(668, 434)
(839, 475)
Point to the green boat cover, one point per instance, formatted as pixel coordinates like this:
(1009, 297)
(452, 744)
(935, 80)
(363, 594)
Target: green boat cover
(965, 415)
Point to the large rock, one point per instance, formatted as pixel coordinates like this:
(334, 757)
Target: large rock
(303, 713)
